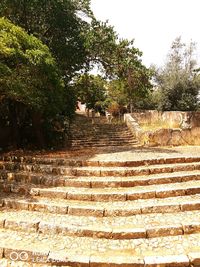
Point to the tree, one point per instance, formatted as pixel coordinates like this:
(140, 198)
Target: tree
(61, 25)
(101, 43)
(31, 88)
(91, 90)
(178, 82)
(117, 92)
(119, 60)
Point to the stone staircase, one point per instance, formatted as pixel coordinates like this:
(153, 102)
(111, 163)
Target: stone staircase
(99, 133)
(57, 211)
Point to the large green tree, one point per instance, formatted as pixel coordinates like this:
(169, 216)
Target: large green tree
(31, 88)
(119, 60)
(60, 24)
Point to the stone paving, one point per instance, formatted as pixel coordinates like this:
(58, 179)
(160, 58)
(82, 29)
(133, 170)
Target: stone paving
(126, 207)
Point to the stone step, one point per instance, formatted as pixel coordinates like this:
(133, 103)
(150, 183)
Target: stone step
(99, 182)
(131, 171)
(96, 145)
(10, 263)
(98, 137)
(103, 209)
(100, 171)
(9, 177)
(102, 137)
(116, 194)
(103, 134)
(116, 147)
(100, 125)
(103, 142)
(67, 161)
(133, 227)
(173, 251)
(101, 129)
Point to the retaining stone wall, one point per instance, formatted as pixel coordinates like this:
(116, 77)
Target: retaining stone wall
(181, 128)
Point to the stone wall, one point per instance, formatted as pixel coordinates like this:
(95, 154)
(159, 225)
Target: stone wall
(181, 128)
(174, 119)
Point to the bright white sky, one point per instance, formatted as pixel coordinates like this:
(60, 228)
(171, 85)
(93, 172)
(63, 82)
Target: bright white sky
(154, 24)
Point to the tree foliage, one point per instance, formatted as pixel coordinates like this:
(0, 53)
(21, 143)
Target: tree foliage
(38, 76)
(119, 60)
(30, 82)
(59, 24)
(91, 90)
(178, 82)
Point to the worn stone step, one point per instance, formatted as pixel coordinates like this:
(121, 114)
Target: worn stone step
(101, 171)
(10, 263)
(98, 138)
(96, 145)
(116, 146)
(103, 134)
(100, 126)
(131, 181)
(103, 144)
(103, 209)
(68, 161)
(103, 141)
(133, 227)
(117, 194)
(10, 177)
(173, 251)
(99, 131)
(130, 171)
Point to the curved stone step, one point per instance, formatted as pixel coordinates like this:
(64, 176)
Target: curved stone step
(132, 181)
(7, 178)
(103, 209)
(133, 227)
(101, 171)
(118, 194)
(68, 161)
(77, 251)
(98, 182)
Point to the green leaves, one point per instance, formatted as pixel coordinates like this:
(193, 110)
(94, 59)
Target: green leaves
(57, 24)
(91, 90)
(178, 82)
(28, 71)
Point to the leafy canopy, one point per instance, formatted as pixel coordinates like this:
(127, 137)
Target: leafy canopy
(28, 72)
(91, 90)
(178, 81)
(60, 24)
